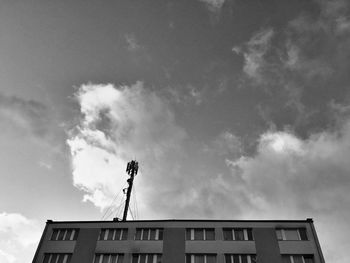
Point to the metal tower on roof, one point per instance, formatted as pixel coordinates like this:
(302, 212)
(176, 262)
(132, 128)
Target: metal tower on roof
(131, 169)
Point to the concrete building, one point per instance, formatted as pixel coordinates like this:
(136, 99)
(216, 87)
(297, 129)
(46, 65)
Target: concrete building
(177, 241)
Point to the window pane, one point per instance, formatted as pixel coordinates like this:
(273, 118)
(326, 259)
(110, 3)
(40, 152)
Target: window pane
(199, 259)
(228, 234)
(153, 234)
(76, 232)
(236, 259)
(298, 259)
(244, 259)
(105, 258)
(117, 234)
(159, 259)
(279, 234)
(46, 258)
(188, 234)
(102, 234)
(97, 258)
(145, 235)
(198, 234)
(291, 234)
(54, 234)
(138, 234)
(143, 258)
(69, 232)
(110, 234)
(302, 232)
(188, 257)
(124, 234)
(250, 234)
(209, 234)
(61, 234)
(227, 258)
(160, 235)
(239, 234)
(308, 259)
(120, 258)
(54, 258)
(285, 259)
(135, 258)
(60, 258)
(211, 258)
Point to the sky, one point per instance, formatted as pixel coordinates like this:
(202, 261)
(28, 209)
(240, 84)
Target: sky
(234, 109)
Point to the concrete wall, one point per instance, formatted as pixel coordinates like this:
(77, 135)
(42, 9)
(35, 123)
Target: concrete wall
(174, 246)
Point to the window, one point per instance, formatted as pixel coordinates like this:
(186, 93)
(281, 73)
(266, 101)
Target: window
(113, 234)
(238, 234)
(237, 258)
(291, 234)
(108, 258)
(57, 258)
(146, 258)
(297, 259)
(64, 234)
(200, 258)
(149, 234)
(200, 234)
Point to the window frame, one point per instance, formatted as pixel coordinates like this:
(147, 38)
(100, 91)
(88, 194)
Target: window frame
(248, 256)
(56, 233)
(191, 234)
(291, 257)
(119, 257)
(48, 257)
(247, 232)
(123, 235)
(158, 234)
(283, 235)
(156, 257)
(205, 257)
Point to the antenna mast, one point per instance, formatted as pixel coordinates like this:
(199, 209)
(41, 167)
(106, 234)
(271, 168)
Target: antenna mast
(131, 169)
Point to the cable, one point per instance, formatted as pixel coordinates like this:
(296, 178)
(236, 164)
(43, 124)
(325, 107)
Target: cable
(112, 202)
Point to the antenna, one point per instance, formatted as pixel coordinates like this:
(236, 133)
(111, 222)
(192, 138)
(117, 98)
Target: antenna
(131, 169)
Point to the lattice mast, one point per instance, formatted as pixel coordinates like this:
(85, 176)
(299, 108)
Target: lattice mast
(131, 169)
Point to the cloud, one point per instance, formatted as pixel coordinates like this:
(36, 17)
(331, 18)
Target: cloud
(214, 5)
(226, 143)
(254, 51)
(131, 41)
(27, 116)
(290, 177)
(119, 124)
(17, 233)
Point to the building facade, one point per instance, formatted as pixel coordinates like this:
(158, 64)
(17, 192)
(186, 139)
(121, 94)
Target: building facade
(179, 241)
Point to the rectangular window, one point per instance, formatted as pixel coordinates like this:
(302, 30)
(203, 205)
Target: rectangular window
(149, 234)
(240, 258)
(57, 258)
(64, 234)
(291, 234)
(146, 258)
(108, 258)
(113, 234)
(200, 258)
(238, 234)
(200, 234)
(297, 259)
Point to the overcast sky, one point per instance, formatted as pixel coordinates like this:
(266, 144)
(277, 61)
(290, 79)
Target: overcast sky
(234, 109)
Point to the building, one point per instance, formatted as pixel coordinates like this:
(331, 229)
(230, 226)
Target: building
(176, 241)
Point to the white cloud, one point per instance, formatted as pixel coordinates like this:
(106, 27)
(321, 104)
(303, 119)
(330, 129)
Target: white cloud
(119, 124)
(254, 52)
(290, 177)
(214, 5)
(17, 234)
